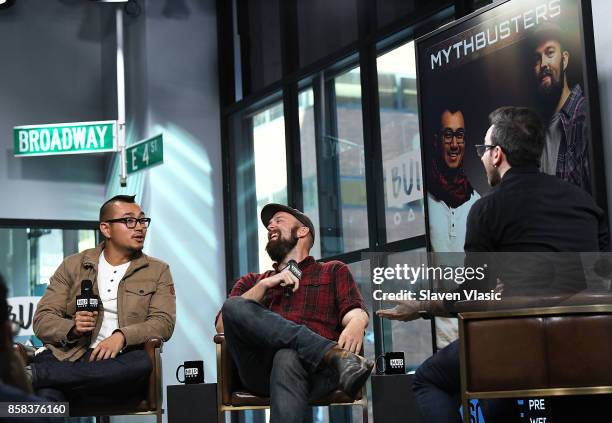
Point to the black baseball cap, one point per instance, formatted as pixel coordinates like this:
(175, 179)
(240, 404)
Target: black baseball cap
(271, 209)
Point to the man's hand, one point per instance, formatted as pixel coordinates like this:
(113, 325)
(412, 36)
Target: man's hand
(108, 348)
(284, 278)
(351, 337)
(84, 322)
(404, 311)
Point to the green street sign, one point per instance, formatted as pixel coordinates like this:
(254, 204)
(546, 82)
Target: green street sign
(65, 138)
(145, 154)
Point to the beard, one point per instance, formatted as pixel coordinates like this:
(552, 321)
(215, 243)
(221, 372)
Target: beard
(493, 176)
(279, 248)
(548, 97)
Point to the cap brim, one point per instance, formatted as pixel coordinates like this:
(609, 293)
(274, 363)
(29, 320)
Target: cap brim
(271, 209)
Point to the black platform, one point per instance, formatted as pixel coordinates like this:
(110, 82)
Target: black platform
(393, 400)
(192, 403)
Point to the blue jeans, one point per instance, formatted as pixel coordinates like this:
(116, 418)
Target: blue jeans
(61, 380)
(277, 357)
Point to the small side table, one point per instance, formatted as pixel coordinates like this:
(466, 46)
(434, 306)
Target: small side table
(192, 403)
(393, 400)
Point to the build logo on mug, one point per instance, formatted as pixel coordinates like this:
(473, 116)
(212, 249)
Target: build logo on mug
(193, 371)
(393, 363)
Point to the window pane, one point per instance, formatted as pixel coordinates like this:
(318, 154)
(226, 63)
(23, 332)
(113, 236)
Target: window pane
(361, 273)
(347, 143)
(28, 259)
(400, 143)
(270, 168)
(324, 27)
(309, 164)
(413, 338)
(341, 200)
(262, 51)
(260, 177)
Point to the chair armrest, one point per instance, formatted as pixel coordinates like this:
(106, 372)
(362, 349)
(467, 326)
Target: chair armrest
(153, 349)
(225, 371)
(25, 352)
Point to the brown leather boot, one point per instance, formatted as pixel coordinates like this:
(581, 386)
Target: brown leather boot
(353, 370)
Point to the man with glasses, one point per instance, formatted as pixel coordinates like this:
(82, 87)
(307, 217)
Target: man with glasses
(100, 352)
(449, 199)
(450, 194)
(526, 211)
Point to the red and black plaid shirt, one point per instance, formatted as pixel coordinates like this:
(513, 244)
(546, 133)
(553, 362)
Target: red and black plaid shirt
(326, 293)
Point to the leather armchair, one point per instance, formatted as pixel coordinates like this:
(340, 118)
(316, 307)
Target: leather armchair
(522, 351)
(231, 396)
(148, 403)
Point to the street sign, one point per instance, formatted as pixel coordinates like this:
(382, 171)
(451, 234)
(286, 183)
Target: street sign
(65, 138)
(145, 154)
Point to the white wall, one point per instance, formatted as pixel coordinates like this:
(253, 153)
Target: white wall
(172, 74)
(52, 71)
(602, 13)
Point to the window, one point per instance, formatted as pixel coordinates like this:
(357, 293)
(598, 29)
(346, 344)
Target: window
(401, 153)
(325, 27)
(308, 153)
(28, 259)
(260, 169)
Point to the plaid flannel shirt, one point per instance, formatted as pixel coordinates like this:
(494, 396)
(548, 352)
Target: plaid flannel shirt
(573, 158)
(326, 293)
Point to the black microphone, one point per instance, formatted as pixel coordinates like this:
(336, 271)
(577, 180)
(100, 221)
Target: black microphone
(87, 301)
(295, 270)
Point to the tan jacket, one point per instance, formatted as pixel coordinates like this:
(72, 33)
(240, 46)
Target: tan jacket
(146, 303)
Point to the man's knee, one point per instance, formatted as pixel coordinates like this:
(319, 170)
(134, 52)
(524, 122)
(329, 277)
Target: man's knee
(232, 309)
(139, 364)
(422, 375)
(286, 362)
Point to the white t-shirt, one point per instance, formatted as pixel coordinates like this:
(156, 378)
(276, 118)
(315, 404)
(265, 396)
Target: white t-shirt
(550, 153)
(108, 279)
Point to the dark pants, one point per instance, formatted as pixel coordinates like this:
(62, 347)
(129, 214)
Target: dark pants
(437, 387)
(61, 380)
(277, 357)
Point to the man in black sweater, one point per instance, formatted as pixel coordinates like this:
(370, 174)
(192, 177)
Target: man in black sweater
(526, 211)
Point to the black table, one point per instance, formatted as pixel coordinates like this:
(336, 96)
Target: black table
(393, 400)
(192, 403)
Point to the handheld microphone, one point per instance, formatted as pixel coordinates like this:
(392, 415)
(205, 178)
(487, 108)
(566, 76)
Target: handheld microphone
(295, 270)
(87, 301)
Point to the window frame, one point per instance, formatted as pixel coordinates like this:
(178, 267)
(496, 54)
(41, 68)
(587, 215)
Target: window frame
(372, 42)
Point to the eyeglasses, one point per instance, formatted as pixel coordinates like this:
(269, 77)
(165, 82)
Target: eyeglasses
(448, 135)
(130, 222)
(481, 149)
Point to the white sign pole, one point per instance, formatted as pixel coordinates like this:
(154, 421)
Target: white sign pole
(121, 96)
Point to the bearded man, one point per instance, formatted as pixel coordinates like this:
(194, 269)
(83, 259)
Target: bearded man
(566, 151)
(295, 337)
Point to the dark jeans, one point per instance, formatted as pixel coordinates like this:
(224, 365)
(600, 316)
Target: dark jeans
(437, 388)
(61, 380)
(277, 357)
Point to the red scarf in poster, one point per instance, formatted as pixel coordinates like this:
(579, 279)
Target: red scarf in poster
(450, 186)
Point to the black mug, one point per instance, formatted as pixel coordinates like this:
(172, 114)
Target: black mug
(394, 363)
(193, 372)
